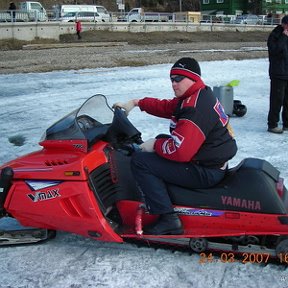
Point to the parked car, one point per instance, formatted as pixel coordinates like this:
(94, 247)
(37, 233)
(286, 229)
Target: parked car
(250, 19)
(60, 11)
(272, 20)
(83, 16)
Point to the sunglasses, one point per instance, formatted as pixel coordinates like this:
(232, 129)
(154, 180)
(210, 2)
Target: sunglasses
(177, 78)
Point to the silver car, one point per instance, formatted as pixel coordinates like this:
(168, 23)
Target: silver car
(250, 19)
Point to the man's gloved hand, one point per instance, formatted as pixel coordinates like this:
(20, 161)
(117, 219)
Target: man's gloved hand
(128, 106)
(148, 146)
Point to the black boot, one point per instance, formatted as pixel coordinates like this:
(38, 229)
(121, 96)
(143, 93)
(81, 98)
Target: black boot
(167, 224)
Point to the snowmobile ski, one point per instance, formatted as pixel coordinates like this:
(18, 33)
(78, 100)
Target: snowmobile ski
(24, 236)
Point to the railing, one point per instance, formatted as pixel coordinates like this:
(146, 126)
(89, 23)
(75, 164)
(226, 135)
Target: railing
(185, 17)
(231, 19)
(50, 15)
(22, 16)
(29, 31)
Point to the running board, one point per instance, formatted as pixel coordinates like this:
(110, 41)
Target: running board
(215, 246)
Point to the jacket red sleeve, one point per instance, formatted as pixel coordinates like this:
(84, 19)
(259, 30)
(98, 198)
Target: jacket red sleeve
(160, 108)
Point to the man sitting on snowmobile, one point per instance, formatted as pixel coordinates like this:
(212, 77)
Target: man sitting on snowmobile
(195, 155)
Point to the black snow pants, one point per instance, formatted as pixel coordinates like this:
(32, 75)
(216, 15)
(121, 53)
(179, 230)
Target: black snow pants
(152, 172)
(278, 100)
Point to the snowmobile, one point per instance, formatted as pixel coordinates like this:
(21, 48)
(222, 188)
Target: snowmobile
(80, 181)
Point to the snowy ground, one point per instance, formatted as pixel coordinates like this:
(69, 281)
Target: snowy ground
(31, 102)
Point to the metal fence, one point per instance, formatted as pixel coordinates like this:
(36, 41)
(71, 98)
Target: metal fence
(22, 16)
(50, 15)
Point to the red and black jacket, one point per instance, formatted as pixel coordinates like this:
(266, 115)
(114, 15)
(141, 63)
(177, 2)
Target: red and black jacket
(198, 127)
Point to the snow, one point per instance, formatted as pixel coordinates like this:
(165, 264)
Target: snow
(32, 102)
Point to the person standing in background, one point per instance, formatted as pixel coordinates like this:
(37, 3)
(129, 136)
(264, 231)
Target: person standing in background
(278, 71)
(78, 29)
(12, 10)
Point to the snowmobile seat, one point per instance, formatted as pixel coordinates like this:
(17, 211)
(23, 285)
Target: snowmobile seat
(250, 186)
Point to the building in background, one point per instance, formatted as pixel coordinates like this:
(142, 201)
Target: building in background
(239, 7)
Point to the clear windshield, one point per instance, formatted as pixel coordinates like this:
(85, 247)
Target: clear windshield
(97, 108)
(89, 122)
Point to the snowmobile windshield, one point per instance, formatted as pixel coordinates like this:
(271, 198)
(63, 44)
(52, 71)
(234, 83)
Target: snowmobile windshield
(89, 122)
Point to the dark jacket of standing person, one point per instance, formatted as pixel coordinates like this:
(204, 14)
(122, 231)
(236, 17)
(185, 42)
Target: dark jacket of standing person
(12, 6)
(278, 71)
(278, 53)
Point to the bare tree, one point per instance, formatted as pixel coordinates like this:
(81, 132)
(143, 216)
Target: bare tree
(184, 5)
(191, 5)
(254, 7)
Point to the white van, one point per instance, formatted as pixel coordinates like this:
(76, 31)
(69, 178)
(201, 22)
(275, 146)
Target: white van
(82, 16)
(61, 10)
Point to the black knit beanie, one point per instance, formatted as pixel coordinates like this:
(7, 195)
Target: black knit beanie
(187, 67)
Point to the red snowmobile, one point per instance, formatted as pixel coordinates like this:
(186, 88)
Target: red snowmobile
(81, 182)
